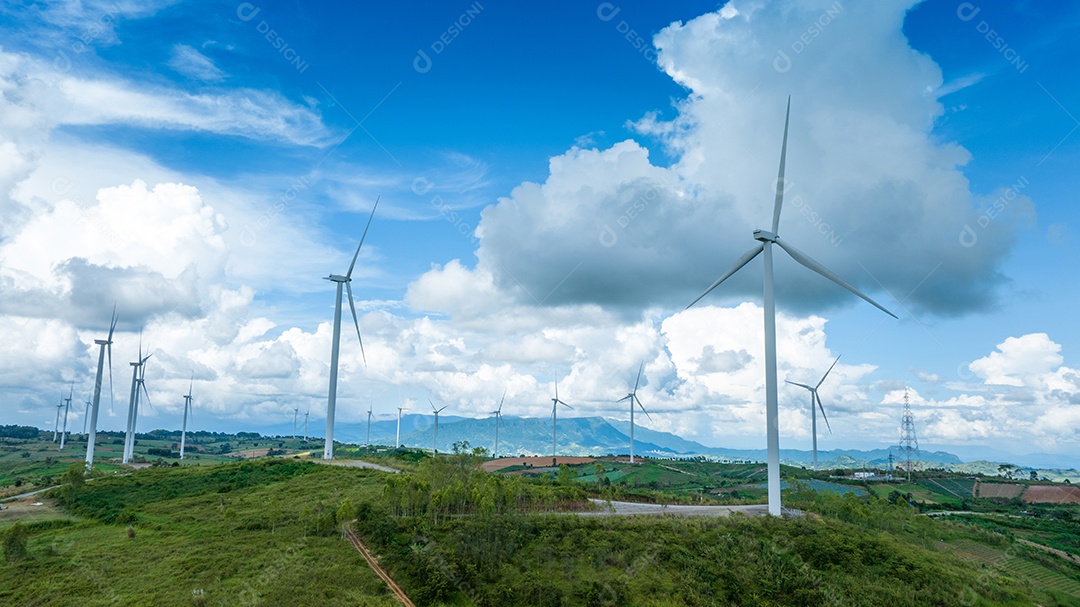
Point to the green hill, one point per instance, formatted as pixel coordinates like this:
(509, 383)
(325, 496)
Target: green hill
(266, 532)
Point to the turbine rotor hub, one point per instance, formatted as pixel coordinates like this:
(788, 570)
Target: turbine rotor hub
(765, 236)
(338, 278)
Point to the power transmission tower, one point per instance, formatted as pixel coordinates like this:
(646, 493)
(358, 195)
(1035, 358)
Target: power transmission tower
(909, 443)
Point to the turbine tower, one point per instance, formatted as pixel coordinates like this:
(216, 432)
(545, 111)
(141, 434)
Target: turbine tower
(140, 388)
(633, 398)
(435, 436)
(305, 422)
(909, 443)
(555, 402)
(187, 408)
(767, 240)
(67, 407)
(397, 437)
(815, 398)
(331, 402)
(104, 345)
(498, 416)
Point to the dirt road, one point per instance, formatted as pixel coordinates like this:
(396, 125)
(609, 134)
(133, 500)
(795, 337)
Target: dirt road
(372, 562)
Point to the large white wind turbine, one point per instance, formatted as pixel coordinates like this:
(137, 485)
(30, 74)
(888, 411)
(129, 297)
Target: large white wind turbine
(633, 398)
(305, 422)
(295, 415)
(815, 400)
(435, 436)
(67, 407)
(133, 404)
(187, 408)
(104, 344)
(766, 240)
(498, 416)
(555, 402)
(331, 402)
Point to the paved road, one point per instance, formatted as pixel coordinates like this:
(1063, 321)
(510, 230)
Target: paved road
(632, 509)
(357, 463)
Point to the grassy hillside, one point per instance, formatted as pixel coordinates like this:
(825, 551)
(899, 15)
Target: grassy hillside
(266, 532)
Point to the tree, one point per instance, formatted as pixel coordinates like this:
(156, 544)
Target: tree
(15, 542)
(345, 513)
(566, 475)
(1034, 475)
(72, 482)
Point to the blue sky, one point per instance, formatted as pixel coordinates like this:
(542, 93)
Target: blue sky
(557, 181)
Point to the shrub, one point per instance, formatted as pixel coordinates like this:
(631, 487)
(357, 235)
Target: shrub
(15, 542)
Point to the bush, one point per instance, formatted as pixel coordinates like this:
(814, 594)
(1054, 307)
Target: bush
(15, 542)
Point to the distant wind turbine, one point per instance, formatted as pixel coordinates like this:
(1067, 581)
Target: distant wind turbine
(435, 436)
(305, 422)
(86, 415)
(295, 414)
(56, 423)
(67, 407)
(187, 408)
(133, 405)
(397, 437)
(815, 399)
(633, 398)
(767, 239)
(331, 403)
(369, 416)
(555, 402)
(104, 345)
(498, 416)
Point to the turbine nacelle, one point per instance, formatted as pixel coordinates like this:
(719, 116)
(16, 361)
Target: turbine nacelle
(338, 278)
(765, 236)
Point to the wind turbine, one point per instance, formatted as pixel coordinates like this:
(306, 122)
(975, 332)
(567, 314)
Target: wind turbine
(86, 415)
(331, 403)
(295, 413)
(633, 398)
(813, 412)
(187, 407)
(305, 422)
(555, 402)
(104, 344)
(397, 437)
(435, 436)
(133, 404)
(67, 407)
(56, 423)
(766, 240)
(369, 416)
(498, 415)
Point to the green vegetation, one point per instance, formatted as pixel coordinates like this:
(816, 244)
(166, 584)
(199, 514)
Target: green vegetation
(269, 532)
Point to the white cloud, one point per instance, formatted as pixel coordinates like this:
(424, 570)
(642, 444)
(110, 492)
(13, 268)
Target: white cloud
(193, 64)
(1019, 361)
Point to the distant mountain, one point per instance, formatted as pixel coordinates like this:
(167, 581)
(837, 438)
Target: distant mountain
(599, 436)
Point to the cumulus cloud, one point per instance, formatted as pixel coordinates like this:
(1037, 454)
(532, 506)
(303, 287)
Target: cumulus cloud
(870, 191)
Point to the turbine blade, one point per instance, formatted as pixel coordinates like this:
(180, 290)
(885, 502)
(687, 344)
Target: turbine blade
(802, 258)
(147, 394)
(642, 407)
(827, 372)
(501, 401)
(638, 382)
(362, 237)
(798, 384)
(352, 307)
(822, 409)
(742, 261)
(108, 348)
(780, 176)
(625, 397)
